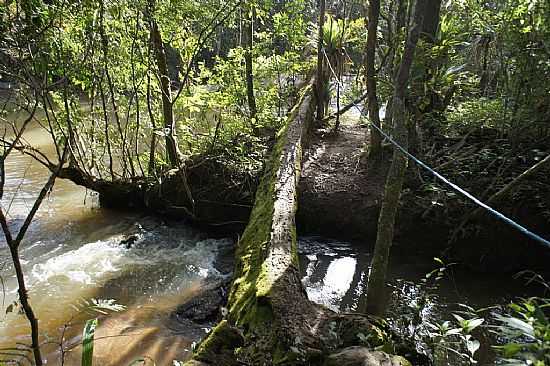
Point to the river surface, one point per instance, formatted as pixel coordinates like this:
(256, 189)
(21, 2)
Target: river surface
(73, 253)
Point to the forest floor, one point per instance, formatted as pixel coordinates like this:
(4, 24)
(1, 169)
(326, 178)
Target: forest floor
(340, 192)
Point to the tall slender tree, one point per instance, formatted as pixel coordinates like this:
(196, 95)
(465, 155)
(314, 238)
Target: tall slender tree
(14, 243)
(373, 13)
(172, 149)
(319, 81)
(376, 291)
(249, 44)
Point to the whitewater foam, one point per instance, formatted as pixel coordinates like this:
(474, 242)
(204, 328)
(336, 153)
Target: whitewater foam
(85, 265)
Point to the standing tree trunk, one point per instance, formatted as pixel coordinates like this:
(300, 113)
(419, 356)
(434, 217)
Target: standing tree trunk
(425, 76)
(431, 20)
(14, 243)
(249, 44)
(320, 79)
(373, 14)
(151, 167)
(168, 114)
(394, 182)
(393, 64)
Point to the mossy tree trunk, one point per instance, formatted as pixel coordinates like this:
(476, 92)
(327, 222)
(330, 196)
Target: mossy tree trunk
(270, 319)
(266, 274)
(394, 182)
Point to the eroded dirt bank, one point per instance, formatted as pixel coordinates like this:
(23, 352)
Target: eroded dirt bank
(340, 194)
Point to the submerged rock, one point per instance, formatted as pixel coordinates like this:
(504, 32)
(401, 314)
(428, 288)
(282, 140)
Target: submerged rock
(206, 307)
(129, 241)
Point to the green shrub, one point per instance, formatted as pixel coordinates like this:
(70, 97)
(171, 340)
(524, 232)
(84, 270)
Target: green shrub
(482, 113)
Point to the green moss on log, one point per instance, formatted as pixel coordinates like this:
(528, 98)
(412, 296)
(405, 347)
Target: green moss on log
(219, 346)
(252, 279)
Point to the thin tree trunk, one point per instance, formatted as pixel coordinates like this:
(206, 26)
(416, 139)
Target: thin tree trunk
(424, 76)
(249, 40)
(153, 144)
(136, 93)
(394, 182)
(14, 244)
(372, 21)
(24, 300)
(168, 114)
(106, 129)
(319, 81)
(431, 20)
(400, 16)
(110, 85)
(337, 123)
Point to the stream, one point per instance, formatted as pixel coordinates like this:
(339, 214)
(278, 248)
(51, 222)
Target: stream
(73, 253)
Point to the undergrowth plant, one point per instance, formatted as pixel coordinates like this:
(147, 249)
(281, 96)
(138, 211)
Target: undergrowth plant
(524, 328)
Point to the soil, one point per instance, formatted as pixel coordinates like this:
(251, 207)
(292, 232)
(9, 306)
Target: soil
(340, 194)
(340, 190)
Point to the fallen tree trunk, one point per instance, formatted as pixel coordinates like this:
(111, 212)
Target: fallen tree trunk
(217, 204)
(270, 319)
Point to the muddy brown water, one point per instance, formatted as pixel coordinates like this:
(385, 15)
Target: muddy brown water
(72, 254)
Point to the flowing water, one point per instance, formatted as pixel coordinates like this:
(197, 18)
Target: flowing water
(73, 253)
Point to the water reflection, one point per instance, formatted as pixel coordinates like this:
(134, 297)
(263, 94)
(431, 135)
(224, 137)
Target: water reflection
(328, 282)
(335, 274)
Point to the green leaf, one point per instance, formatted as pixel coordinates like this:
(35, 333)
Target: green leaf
(88, 342)
(474, 323)
(517, 324)
(472, 345)
(510, 349)
(453, 331)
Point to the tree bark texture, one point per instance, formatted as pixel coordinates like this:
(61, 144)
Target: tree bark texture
(167, 112)
(394, 181)
(249, 44)
(320, 79)
(373, 14)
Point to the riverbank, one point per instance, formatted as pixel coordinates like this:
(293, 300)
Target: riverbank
(154, 313)
(340, 194)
